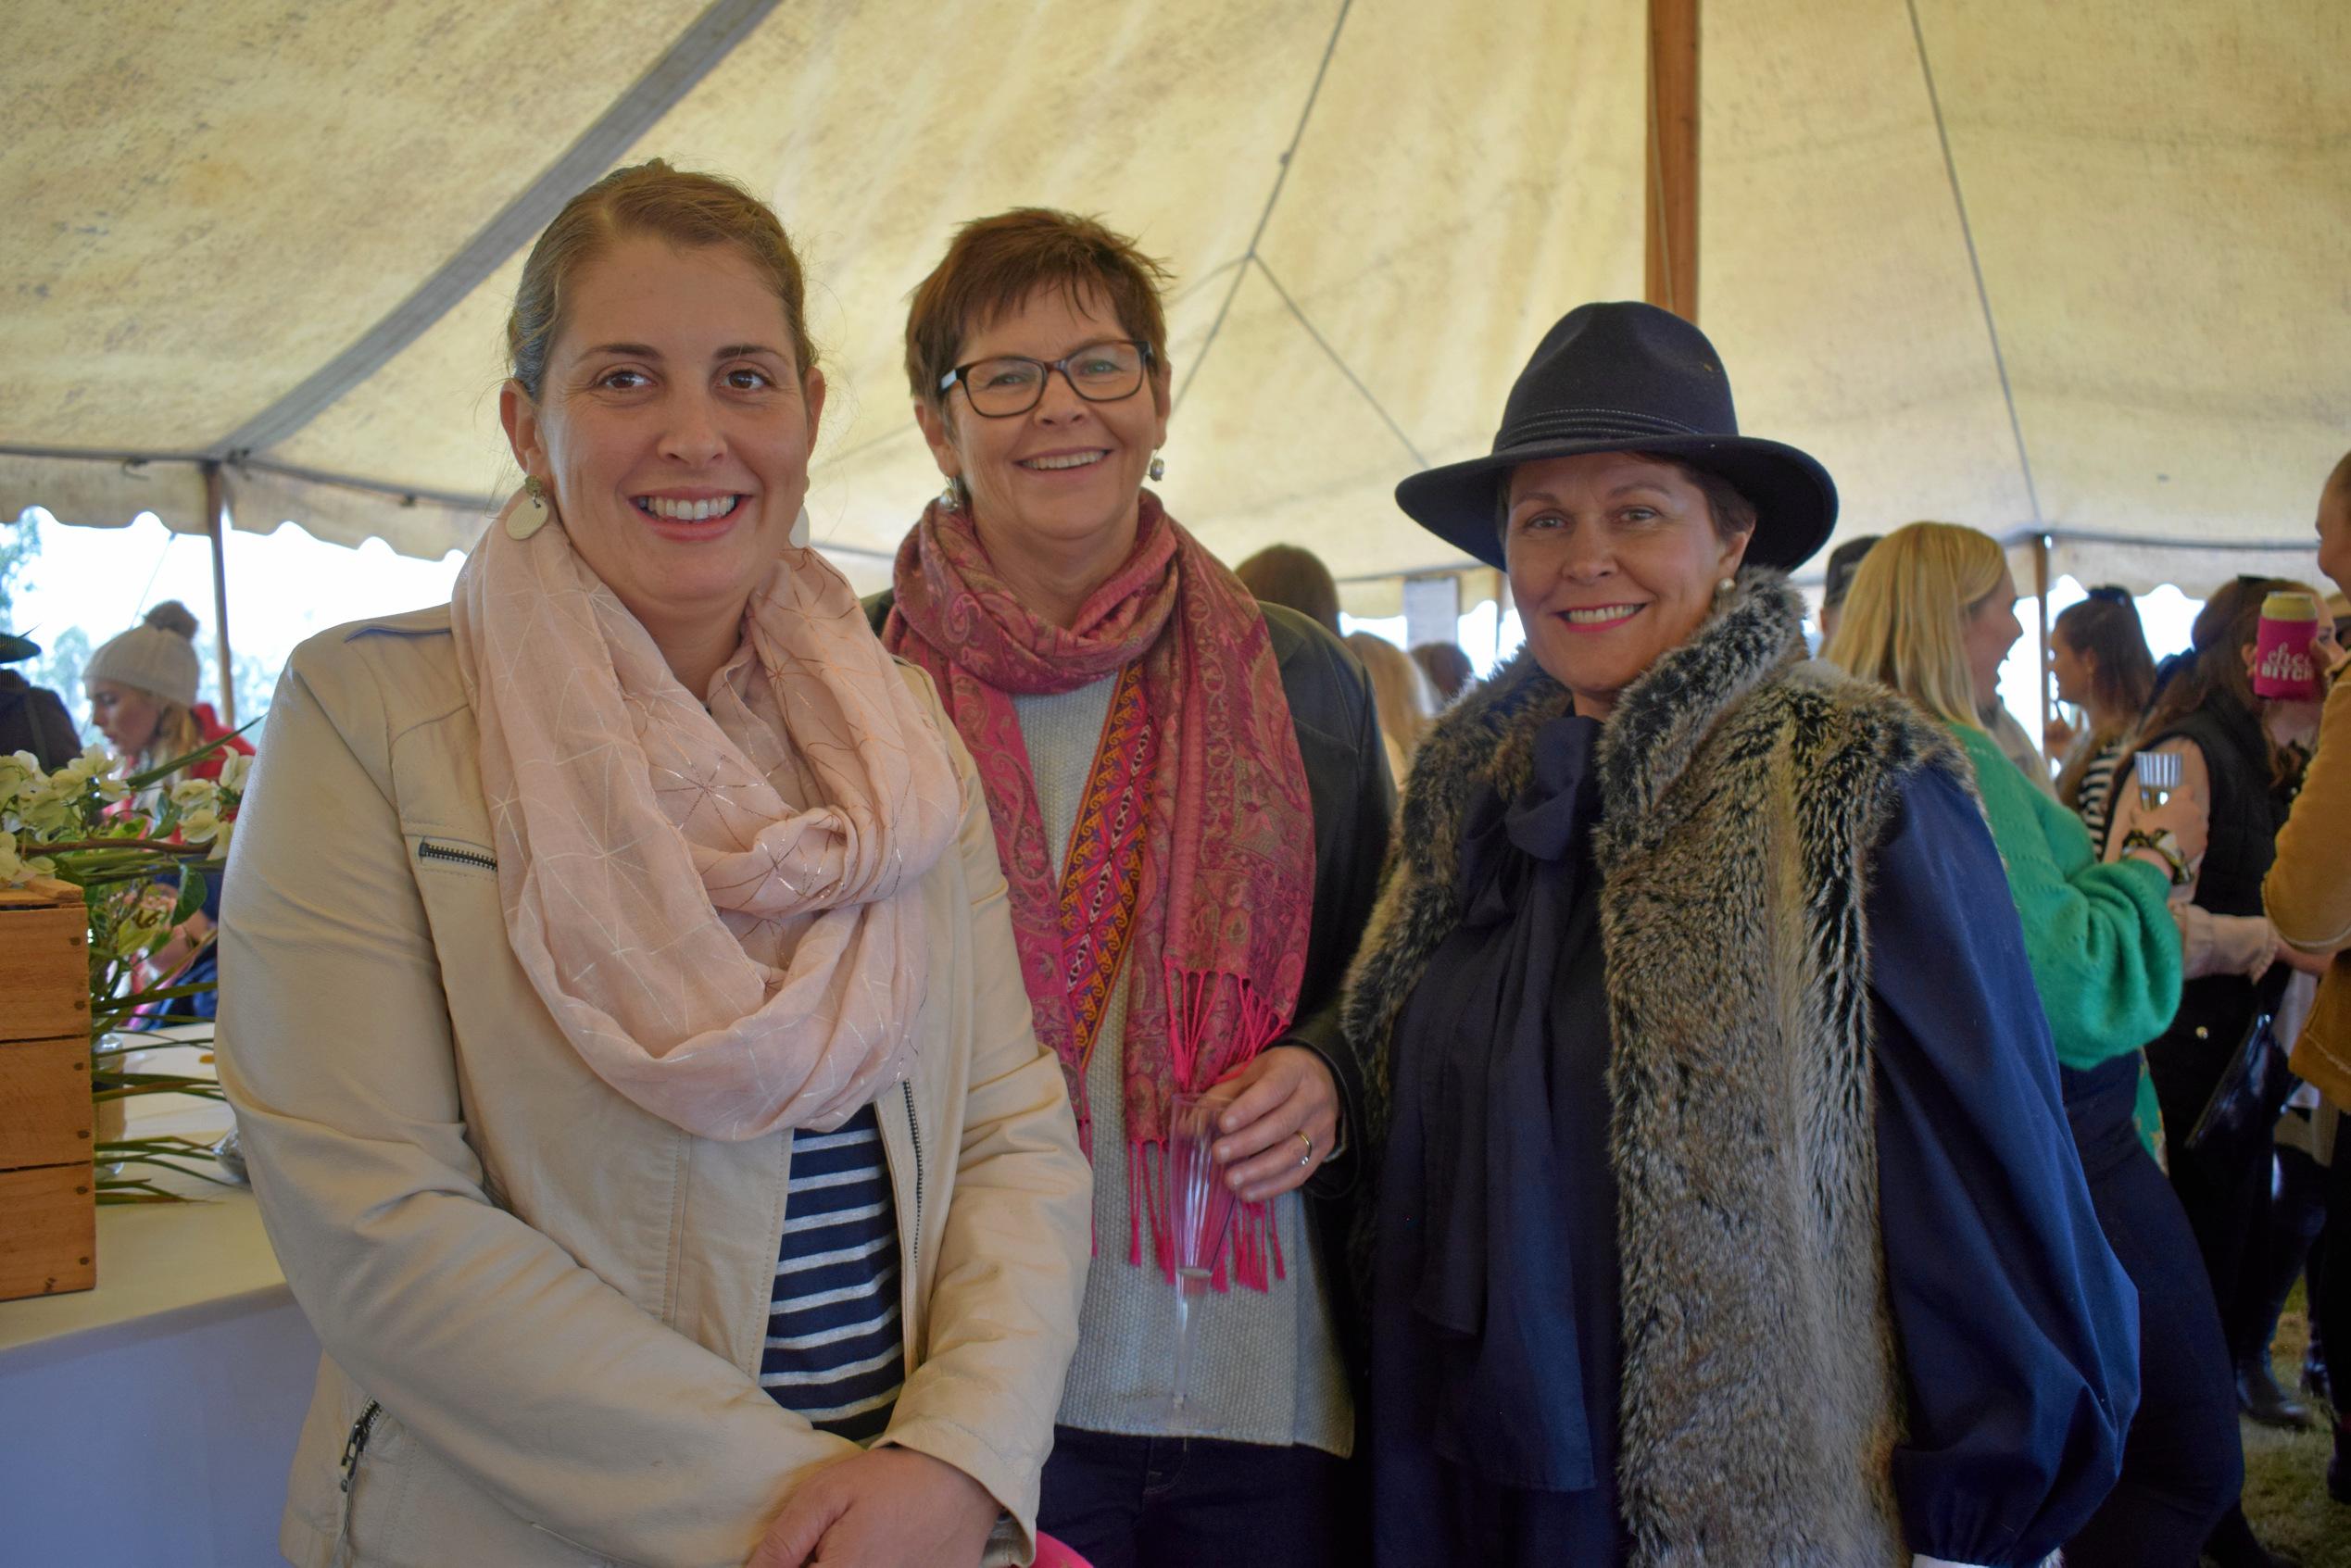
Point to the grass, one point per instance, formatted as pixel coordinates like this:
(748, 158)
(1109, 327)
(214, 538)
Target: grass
(2285, 1484)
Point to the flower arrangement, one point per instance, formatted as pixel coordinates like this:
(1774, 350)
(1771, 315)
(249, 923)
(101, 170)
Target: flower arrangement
(142, 848)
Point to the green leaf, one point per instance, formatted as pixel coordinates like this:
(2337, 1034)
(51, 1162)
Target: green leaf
(193, 888)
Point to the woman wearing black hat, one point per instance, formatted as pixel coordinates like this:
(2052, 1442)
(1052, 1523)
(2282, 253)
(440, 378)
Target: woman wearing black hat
(1727, 1210)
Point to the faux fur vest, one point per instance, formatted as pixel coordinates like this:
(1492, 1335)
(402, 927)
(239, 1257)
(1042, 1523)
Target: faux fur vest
(1745, 790)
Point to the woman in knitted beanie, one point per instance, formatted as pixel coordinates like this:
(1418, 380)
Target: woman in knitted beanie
(143, 696)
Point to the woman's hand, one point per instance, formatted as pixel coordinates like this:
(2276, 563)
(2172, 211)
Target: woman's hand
(881, 1508)
(2295, 957)
(1284, 1091)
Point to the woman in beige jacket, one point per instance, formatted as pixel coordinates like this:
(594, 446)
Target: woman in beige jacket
(619, 1006)
(2307, 898)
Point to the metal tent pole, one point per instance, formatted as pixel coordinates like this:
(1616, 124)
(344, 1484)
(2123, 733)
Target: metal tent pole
(216, 525)
(2041, 597)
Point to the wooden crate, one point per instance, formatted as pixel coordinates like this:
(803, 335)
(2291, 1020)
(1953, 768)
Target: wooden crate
(48, 1213)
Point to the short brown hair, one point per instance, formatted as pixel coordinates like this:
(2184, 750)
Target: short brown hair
(995, 263)
(688, 210)
(1286, 574)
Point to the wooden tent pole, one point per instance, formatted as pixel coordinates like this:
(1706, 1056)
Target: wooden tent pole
(1671, 254)
(216, 523)
(2041, 597)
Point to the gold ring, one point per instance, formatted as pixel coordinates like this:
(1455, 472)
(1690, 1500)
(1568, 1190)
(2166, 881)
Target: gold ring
(1307, 1158)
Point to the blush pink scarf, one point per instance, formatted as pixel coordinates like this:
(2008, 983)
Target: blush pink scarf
(720, 908)
(1226, 887)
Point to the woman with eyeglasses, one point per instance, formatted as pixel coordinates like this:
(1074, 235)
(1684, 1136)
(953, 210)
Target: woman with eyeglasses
(1191, 802)
(2098, 652)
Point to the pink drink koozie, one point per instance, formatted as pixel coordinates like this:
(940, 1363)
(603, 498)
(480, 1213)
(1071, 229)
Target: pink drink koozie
(2284, 665)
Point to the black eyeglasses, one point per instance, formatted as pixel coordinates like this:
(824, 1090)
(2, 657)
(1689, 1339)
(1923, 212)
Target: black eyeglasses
(1013, 384)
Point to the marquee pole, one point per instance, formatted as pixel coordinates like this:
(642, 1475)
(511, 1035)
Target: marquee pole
(1670, 255)
(216, 524)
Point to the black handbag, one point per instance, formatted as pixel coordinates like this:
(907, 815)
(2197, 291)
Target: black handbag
(2242, 1116)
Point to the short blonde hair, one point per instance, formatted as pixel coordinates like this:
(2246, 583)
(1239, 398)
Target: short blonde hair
(1905, 618)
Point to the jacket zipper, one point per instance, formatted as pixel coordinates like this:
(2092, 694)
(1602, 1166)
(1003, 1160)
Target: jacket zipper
(914, 1128)
(356, 1444)
(353, 1447)
(428, 850)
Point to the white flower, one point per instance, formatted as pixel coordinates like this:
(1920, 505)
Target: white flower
(220, 840)
(235, 766)
(47, 812)
(200, 825)
(18, 773)
(14, 869)
(191, 795)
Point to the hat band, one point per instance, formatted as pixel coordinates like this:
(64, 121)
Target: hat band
(1588, 424)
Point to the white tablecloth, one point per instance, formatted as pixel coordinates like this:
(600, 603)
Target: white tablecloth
(148, 1423)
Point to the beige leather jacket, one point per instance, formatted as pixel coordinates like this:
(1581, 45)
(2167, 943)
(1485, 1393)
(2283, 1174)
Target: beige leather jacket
(543, 1309)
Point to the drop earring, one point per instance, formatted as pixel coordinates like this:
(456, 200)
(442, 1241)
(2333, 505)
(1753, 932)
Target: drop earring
(951, 498)
(530, 514)
(1158, 471)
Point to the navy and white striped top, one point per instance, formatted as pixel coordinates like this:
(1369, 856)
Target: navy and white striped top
(2097, 790)
(836, 1347)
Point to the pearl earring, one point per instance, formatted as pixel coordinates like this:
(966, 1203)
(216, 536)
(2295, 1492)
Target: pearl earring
(1158, 471)
(530, 514)
(951, 498)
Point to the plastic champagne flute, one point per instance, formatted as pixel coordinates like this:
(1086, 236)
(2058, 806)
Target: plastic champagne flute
(1200, 1212)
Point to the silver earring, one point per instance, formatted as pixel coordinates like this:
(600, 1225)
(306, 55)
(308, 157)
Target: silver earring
(951, 498)
(1158, 471)
(530, 514)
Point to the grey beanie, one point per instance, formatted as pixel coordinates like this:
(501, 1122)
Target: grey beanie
(158, 657)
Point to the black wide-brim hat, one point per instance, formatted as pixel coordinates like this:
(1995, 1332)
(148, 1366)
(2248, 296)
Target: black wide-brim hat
(1628, 378)
(13, 647)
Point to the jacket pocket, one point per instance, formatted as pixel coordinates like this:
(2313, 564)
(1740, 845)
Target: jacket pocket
(440, 853)
(373, 1485)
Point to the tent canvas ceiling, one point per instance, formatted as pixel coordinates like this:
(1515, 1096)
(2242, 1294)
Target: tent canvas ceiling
(2078, 268)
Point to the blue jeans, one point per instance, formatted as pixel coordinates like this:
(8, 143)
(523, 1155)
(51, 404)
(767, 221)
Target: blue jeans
(1195, 1502)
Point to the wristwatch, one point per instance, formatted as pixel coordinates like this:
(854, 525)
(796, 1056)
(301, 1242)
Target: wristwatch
(2165, 846)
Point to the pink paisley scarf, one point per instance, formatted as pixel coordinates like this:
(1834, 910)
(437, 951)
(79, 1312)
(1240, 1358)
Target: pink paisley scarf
(1225, 887)
(719, 907)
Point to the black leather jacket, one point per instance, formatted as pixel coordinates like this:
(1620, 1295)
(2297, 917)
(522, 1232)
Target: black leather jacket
(1354, 802)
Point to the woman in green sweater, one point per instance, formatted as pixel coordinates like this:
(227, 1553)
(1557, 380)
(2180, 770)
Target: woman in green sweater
(1932, 614)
